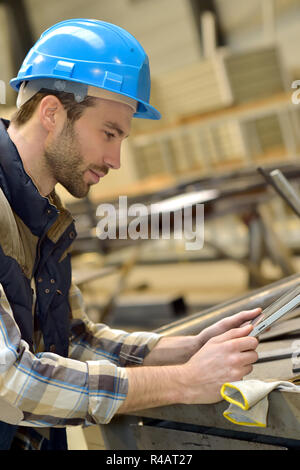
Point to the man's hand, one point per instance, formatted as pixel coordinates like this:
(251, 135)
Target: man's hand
(224, 358)
(179, 349)
(226, 324)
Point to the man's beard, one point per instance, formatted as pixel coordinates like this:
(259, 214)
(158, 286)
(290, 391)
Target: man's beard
(65, 162)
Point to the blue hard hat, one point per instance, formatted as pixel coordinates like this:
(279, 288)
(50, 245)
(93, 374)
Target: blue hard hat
(93, 53)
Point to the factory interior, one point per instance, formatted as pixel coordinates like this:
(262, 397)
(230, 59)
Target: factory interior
(224, 76)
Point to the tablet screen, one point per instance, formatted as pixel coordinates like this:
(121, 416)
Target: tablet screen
(283, 305)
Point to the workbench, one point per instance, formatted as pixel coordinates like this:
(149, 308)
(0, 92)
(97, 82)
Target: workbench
(203, 427)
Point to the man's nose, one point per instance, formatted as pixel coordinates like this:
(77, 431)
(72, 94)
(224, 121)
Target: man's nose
(113, 158)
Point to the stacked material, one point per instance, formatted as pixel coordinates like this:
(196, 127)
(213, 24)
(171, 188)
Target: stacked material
(196, 88)
(221, 80)
(255, 74)
(200, 103)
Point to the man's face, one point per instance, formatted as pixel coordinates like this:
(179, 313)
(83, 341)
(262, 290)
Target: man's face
(82, 153)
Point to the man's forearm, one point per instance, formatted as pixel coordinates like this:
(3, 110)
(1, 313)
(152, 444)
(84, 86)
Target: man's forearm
(149, 387)
(172, 350)
(160, 381)
(225, 358)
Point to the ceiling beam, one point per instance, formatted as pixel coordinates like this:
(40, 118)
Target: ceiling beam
(199, 7)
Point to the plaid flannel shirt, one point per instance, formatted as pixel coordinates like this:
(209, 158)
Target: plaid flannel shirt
(43, 390)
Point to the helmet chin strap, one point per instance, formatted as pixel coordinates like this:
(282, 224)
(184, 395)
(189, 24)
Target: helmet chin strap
(28, 89)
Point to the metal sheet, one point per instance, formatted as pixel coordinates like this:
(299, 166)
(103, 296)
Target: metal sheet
(281, 349)
(283, 416)
(155, 438)
(261, 297)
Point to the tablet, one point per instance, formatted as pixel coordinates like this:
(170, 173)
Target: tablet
(283, 305)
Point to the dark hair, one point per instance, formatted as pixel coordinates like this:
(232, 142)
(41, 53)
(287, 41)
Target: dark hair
(73, 108)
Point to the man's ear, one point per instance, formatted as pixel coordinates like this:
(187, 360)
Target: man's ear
(51, 112)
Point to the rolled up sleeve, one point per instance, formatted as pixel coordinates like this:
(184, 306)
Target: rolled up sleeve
(45, 389)
(92, 341)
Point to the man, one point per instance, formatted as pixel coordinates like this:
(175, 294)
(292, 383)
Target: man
(79, 88)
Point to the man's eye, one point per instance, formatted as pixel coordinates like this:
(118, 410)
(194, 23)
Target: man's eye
(109, 135)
